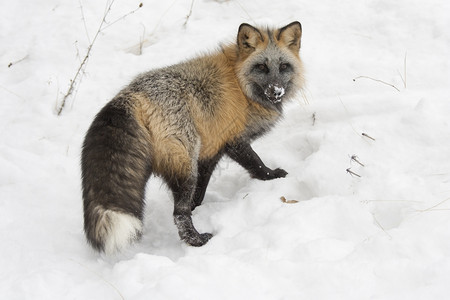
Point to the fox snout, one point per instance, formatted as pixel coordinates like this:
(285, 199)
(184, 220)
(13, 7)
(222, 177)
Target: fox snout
(274, 92)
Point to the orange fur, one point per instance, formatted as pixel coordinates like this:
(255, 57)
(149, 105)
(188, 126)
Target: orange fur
(170, 152)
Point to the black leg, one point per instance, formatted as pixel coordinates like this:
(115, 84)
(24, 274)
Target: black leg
(183, 191)
(243, 153)
(205, 170)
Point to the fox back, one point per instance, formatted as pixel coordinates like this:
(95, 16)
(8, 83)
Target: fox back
(177, 122)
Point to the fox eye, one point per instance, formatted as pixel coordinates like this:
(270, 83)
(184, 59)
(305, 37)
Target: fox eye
(262, 67)
(284, 66)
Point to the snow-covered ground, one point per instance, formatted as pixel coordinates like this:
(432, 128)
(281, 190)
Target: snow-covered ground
(383, 235)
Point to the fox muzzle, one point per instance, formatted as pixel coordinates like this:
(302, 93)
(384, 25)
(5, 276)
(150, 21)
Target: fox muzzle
(274, 92)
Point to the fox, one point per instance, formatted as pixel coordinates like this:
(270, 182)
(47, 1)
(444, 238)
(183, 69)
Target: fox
(177, 122)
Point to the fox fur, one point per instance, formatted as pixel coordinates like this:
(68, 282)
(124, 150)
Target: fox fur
(177, 122)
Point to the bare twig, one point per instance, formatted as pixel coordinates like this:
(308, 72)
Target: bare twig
(352, 173)
(141, 41)
(12, 93)
(84, 22)
(17, 61)
(356, 159)
(124, 16)
(403, 77)
(382, 228)
(368, 201)
(434, 206)
(244, 10)
(73, 81)
(377, 80)
(404, 70)
(304, 96)
(348, 114)
(189, 14)
(367, 136)
(83, 63)
(436, 209)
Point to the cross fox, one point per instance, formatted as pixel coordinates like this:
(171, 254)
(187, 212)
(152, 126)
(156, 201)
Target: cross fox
(177, 122)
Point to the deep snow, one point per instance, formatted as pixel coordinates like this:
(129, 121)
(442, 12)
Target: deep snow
(384, 235)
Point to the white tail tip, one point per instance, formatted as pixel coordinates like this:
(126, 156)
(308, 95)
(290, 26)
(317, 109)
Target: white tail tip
(117, 230)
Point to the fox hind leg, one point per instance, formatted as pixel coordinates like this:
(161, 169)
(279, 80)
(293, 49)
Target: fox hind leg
(183, 191)
(183, 184)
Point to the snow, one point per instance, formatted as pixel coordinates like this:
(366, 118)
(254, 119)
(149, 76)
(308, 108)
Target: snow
(383, 235)
(277, 91)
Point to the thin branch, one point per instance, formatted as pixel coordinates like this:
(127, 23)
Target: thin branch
(84, 61)
(17, 61)
(382, 228)
(367, 136)
(81, 68)
(141, 41)
(412, 201)
(352, 173)
(189, 14)
(12, 93)
(377, 80)
(162, 17)
(356, 159)
(304, 96)
(72, 82)
(403, 77)
(404, 69)
(84, 22)
(244, 10)
(348, 114)
(434, 206)
(123, 17)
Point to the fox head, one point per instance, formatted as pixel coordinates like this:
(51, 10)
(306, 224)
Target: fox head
(268, 63)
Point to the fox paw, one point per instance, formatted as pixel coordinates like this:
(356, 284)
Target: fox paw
(269, 174)
(198, 240)
(279, 173)
(188, 233)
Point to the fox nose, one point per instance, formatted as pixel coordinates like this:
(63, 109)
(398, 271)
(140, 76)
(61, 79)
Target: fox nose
(278, 92)
(274, 92)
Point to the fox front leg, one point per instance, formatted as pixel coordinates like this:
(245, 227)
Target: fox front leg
(243, 154)
(205, 170)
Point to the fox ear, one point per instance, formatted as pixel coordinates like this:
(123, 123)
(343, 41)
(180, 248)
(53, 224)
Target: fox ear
(248, 38)
(291, 35)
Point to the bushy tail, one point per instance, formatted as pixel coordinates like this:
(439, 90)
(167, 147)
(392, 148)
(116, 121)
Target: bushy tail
(115, 167)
